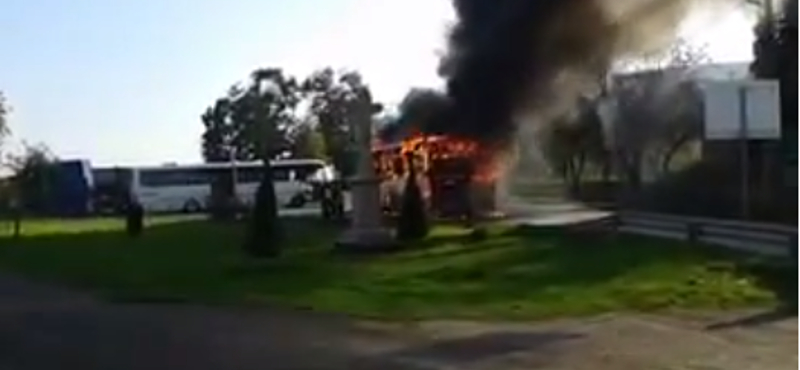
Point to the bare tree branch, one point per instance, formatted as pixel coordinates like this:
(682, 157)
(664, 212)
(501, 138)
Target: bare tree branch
(657, 111)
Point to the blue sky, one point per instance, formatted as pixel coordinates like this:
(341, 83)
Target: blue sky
(124, 82)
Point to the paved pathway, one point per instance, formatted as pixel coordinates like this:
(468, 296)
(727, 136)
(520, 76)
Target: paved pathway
(550, 213)
(47, 328)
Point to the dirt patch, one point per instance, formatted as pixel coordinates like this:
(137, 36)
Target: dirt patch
(607, 342)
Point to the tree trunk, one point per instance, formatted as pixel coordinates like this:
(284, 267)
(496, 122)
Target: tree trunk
(17, 214)
(413, 221)
(575, 167)
(666, 160)
(264, 231)
(631, 165)
(222, 200)
(606, 170)
(634, 175)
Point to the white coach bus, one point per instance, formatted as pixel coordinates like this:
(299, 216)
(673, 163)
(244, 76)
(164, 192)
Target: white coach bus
(187, 188)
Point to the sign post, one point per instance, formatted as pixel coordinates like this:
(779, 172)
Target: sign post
(740, 111)
(744, 154)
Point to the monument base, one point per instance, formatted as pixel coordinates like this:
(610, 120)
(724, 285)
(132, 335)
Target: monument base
(366, 241)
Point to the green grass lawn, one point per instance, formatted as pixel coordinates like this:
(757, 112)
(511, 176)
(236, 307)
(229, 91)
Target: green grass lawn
(515, 273)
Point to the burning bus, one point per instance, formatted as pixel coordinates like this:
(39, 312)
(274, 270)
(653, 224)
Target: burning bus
(457, 177)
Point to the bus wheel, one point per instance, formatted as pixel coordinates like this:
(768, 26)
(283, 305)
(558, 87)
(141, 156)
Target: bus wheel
(192, 206)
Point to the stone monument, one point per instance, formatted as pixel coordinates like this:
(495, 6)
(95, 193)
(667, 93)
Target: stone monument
(366, 233)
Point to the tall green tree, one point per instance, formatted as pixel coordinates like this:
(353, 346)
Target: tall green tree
(573, 142)
(775, 39)
(231, 129)
(218, 146)
(775, 57)
(268, 107)
(327, 92)
(307, 142)
(217, 139)
(656, 113)
(252, 121)
(33, 177)
(4, 109)
(789, 67)
(5, 186)
(766, 50)
(4, 130)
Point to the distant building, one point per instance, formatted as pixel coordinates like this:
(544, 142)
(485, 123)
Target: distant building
(722, 71)
(710, 71)
(676, 75)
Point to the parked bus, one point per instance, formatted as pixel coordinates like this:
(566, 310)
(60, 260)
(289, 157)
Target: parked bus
(111, 188)
(61, 188)
(187, 188)
(456, 176)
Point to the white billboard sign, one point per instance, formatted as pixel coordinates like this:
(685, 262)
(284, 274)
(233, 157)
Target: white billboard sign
(724, 101)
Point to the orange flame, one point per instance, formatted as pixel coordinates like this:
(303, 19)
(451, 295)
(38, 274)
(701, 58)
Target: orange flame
(486, 161)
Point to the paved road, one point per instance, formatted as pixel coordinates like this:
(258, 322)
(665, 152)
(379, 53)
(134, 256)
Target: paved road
(554, 212)
(47, 328)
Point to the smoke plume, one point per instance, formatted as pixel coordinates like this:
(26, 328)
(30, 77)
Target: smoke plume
(512, 58)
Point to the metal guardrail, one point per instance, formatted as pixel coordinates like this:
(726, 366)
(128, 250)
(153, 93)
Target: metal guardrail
(764, 239)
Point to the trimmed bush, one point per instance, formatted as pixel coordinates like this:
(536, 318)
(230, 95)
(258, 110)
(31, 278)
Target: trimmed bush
(412, 223)
(264, 234)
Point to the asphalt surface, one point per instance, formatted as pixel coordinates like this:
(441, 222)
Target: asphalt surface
(43, 327)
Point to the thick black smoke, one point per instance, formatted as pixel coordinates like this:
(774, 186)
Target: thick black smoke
(507, 57)
(422, 110)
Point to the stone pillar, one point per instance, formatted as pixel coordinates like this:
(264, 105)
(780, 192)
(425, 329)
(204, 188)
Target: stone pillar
(366, 232)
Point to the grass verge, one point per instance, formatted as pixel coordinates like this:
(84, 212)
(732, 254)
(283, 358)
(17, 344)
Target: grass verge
(513, 274)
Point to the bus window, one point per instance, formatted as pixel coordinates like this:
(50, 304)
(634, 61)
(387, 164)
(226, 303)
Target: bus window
(323, 174)
(303, 172)
(249, 174)
(281, 173)
(154, 178)
(173, 177)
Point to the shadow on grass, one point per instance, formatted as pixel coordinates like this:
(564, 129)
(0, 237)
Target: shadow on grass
(514, 272)
(454, 242)
(777, 276)
(175, 261)
(531, 258)
(632, 269)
